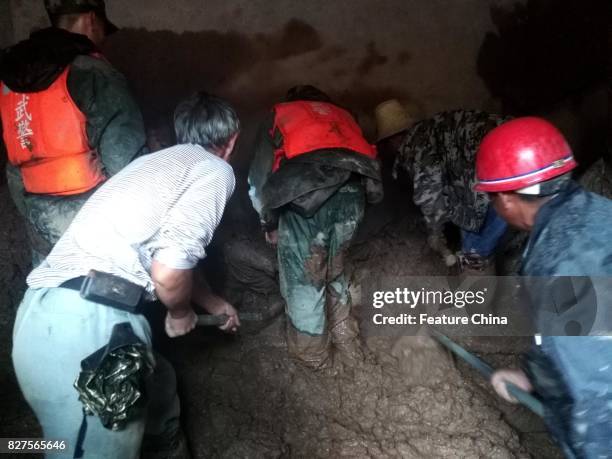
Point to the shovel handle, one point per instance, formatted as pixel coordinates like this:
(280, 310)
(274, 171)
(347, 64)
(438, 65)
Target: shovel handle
(206, 320)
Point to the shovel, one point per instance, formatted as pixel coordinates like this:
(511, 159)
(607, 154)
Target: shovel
(206, 320)
(486, 370)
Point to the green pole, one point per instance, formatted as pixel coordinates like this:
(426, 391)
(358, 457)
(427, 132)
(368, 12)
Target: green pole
(486, 370)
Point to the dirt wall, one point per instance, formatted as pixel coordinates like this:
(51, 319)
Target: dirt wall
(251, 52)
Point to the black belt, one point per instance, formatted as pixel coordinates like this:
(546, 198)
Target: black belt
(109, 290)
(73, 284)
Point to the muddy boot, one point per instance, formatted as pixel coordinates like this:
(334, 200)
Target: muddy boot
(165, 446)
(311, 351)
(343, 327)
(350, 353)
(473, 264)
(345, 337)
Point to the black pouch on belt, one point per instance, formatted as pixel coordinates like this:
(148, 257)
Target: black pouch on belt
(112, 291)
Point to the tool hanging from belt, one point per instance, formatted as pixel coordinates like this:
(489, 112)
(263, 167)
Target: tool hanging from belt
(112, 379)
(108, 289)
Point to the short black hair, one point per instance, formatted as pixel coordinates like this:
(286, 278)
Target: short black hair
(306, 92)
(206, 120)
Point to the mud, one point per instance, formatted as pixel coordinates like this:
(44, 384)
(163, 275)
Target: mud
(253, 71)
(372, 59)
(414, 403)
(243, 397)
(16, 418)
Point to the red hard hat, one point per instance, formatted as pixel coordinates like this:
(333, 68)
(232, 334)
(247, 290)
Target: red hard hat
(520, 153)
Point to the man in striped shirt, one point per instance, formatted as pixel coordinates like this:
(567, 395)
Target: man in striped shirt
(148, 225)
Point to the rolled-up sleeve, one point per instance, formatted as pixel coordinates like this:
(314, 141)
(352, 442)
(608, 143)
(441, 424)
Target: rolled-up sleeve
(191, 222)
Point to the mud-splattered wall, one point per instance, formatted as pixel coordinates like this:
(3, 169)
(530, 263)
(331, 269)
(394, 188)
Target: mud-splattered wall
(6, 25)
(438, 55)
(250, 51)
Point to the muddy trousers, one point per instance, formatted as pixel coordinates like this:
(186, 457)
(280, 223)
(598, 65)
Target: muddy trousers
(55, 329)
(312, 280)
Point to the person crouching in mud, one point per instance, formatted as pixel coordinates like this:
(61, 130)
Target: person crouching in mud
(309, 180)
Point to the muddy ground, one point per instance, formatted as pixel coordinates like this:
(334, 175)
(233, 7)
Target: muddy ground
(242, 397)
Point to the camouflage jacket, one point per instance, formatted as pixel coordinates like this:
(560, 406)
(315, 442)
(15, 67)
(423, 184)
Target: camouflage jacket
(439, 155)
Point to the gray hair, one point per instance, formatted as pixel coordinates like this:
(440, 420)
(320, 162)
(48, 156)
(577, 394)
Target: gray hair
(205, 120)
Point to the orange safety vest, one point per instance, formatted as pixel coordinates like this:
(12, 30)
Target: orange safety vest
(45, 135)
(309, 126)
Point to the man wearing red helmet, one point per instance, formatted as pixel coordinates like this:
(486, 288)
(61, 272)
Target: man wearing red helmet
(525, 167)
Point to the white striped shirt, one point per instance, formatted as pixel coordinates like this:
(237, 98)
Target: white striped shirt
(163, 206)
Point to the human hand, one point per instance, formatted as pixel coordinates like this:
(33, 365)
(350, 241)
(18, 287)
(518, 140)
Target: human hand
(450, 260)
(272, 237)
(180, 323)
(516, 377)
(219, 306)
(437, 242)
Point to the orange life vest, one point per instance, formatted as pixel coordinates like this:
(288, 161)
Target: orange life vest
(309, 126)
(45, 135)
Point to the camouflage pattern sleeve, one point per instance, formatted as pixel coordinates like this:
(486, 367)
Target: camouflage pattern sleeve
(465, 130)
(115, 127)
(420, 156)
(439, 154)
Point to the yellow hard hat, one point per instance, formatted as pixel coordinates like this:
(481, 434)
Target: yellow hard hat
(391, 118)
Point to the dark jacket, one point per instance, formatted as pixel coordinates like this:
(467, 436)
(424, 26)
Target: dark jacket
(114, 124)
(115, 128)
(572, 236)
(439, 154)
(306, 181)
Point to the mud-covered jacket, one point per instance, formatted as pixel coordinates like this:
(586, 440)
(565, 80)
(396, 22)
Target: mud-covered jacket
(305, 182)
(571, 237)
(439, 155)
